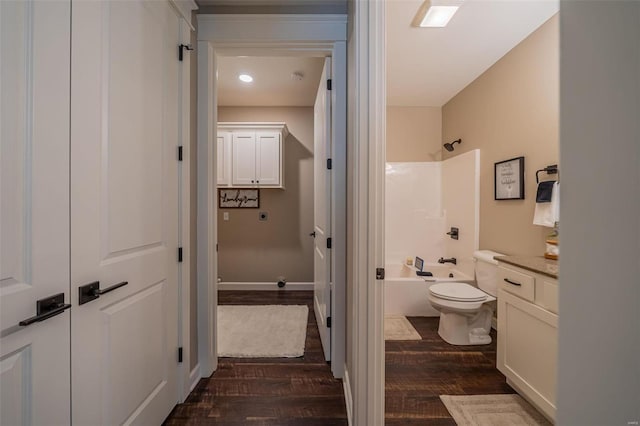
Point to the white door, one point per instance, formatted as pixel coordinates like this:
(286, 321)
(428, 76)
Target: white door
(268, 158)
(322, 209)
(124, 211)
(34, 211)
(224, 158)
(243, 147)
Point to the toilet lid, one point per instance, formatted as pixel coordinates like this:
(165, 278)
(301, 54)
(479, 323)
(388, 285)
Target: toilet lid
(459, 292)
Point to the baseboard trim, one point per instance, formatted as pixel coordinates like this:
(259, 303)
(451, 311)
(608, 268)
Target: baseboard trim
(348, 398)
(194, 377)
(260, 286)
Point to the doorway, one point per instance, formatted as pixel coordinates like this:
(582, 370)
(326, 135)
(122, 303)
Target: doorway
(236, 35)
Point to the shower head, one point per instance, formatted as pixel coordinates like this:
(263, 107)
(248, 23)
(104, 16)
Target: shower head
(449, 146)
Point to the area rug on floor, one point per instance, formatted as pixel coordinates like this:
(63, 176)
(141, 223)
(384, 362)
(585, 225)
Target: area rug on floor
(264, 331)
(398, 327)
(492, 410)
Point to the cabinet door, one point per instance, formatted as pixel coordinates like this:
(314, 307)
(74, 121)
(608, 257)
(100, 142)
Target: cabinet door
(224, 158)
(268, 161)
(244, 158)
(528, 349)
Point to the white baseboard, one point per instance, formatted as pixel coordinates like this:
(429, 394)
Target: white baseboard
(348, 397)
(194, 377)
(264, 286)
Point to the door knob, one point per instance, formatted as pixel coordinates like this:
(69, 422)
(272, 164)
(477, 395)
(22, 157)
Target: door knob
(91, 291)
(47, 308)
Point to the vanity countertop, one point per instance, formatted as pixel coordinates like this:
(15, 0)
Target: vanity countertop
(536, 264)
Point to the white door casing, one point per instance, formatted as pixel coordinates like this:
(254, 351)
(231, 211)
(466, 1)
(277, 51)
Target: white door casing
(34, 210)
(124, 210)
(322, 209)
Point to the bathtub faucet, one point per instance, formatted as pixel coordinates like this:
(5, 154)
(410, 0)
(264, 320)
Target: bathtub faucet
(452, 260)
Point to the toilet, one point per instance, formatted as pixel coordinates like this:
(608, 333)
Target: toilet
(465, 310)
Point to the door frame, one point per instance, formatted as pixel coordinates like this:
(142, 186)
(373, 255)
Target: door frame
(286, 35)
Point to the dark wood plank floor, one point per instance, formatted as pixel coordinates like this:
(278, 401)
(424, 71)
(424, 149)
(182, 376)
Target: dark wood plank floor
(419, 371)
(268, 391)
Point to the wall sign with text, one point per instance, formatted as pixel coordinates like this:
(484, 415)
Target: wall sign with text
(238, 198)
(509, 179)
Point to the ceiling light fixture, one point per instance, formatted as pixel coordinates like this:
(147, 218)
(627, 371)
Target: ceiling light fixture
(245, 78)
(435, 16)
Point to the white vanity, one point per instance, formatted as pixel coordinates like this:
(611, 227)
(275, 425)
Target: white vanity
(528, 328)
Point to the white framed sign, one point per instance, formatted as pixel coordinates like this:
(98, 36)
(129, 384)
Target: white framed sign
(509, 179)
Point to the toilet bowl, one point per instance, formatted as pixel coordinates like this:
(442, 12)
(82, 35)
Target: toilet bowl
(465, 310)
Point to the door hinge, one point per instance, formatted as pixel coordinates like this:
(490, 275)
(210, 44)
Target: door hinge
(180, 153)
(180, 354)
(379, 273)
(329, 164)
(179, 254)
(328, 322)
(329, 84)
(329, 243)
(181, 49)
(216, 246)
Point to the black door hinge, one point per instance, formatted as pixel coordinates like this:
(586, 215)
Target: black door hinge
(379, 273)
(216, 246)
(179, 254)
(329, 243)
(181, 48)
(329, 164)
(329, 84)
(180, 354)
(328, 322)
(180, 153)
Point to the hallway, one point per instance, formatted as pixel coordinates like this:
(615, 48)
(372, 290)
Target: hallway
(260, 391)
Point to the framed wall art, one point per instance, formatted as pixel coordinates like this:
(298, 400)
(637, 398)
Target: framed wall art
(509, 179)
(238, 198)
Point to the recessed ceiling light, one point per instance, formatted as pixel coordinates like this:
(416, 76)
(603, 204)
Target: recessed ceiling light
(435, 16)
(246, 78)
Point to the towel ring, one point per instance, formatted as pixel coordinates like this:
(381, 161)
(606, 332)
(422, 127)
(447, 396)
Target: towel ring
(551, 170)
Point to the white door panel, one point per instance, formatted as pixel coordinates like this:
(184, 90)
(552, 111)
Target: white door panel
(243, 147)
(124, 210)
(34, 210)
(322, 209)
(268, 152)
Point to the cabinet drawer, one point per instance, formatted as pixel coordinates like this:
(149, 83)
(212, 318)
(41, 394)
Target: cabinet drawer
(547, 297)
(515, 282)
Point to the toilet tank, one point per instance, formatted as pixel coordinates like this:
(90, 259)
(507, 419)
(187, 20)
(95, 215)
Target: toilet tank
(487, 270)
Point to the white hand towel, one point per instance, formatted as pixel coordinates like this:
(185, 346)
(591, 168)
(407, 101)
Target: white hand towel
(547, 214)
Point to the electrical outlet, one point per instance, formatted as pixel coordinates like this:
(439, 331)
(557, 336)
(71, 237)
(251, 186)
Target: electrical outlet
(225, 216)
(263, 216)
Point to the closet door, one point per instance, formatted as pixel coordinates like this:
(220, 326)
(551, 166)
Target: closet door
(124, 211)
(34, 211)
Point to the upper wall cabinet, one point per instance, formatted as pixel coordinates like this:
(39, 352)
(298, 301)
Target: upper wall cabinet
(251, 155)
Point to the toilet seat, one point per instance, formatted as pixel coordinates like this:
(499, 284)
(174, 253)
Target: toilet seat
(458, 292)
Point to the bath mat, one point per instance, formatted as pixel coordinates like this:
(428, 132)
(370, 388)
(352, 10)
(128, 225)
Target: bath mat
(398, 327)
(492, 410)
(263, 331)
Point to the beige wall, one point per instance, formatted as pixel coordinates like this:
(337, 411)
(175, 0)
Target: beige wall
(254, 251)
(511, 110)
(414, 133)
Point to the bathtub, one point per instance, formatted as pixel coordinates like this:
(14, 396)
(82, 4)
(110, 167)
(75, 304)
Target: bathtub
(405, 293)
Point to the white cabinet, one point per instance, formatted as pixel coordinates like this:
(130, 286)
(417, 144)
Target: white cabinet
(251, 154)
(528, 335)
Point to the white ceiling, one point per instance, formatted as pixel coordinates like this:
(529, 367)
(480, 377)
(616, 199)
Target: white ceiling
(272, 83)
(428, 66)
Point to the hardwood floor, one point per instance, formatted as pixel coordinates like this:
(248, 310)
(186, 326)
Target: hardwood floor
(419, 371)
(268, 391)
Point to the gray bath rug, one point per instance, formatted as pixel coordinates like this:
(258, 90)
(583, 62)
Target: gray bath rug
(265, 331)
(398, 327)
(492, 410)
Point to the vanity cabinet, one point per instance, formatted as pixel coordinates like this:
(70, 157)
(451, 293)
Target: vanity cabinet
(528, 334)
(251, 155)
